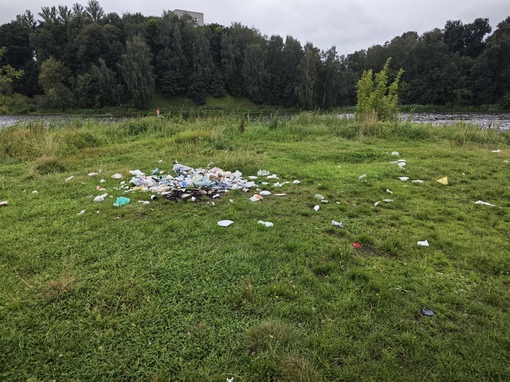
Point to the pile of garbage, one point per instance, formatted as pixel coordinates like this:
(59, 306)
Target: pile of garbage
(189, 183)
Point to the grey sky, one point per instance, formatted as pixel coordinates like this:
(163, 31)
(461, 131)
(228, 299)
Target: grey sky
(350, 25)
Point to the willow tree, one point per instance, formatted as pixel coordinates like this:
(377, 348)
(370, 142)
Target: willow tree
(137, 73)
(376, 96)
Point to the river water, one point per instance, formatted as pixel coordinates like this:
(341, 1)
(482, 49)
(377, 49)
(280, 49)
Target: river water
(499, 121)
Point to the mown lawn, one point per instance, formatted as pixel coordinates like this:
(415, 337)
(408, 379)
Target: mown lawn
(159, 291)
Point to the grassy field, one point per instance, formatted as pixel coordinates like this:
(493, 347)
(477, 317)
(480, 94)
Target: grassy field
(160, 292)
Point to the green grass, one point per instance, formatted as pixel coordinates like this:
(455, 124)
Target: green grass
(160, 292)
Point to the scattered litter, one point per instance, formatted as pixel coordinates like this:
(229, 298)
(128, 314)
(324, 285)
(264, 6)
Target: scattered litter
(274, 176)
(423, 243)
(265, 193)
(137, 173)
(377, 203)
(99, 188)
(427, 312)
(230, 379)
(395, 153)
(93, 173)
(263, 173)
(267, 224)
(154, 197)
(356, 245)
(506, 161)
(496, 151)
(316, 208)
(256, 198)
(296, 181)
(102, 181)
(280, 194)
(117, 176)
(68, 179)
(100, 198)
(387, 200)
(389, 192)
(324, 201)
(4, 203)
(484, 203)
(34, 192)
(401, 164)
(253, 177)
(418, 181)
(319, 196)
(81, 212)
(122, 201)
(443, 181)
(225, 223)
(403, 178)
(144, 202)
(362, 176)
(181, 169)
(337, 224)
(155, 171)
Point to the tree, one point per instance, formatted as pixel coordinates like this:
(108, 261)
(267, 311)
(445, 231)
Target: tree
(7, 74)
(307, 71)
(376, 96)
(137, 73)
(254, 72)
(54, 78)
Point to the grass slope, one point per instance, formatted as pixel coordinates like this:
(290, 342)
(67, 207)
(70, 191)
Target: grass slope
(156, 292)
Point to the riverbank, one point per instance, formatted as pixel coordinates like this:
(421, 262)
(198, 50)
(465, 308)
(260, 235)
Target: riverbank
(157, 289)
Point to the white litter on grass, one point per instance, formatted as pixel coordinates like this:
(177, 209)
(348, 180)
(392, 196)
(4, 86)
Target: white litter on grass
(401, 164)
(296, 182)
(81, 212)
(144, 202)
(4, 203)
(267, 224)
(423, 243)
(403, 178)
(68, 179)
(34, 192)
(317, 208)
(387, 200)
(324, 201)
(225, 223)
(319, 196)
(274, 176)
(362, 176)
(117, 176)
(263, 173)
(418, 181)
(377, 203)
(265, 193)
(395, 153)
(389, 192)
(93, 173)
(337, 224)
(137, 173)
(256, 198)
(506, 161)
(484, 203)
(100, 198)
(102, 181)
(280, 194)
(496, 151)
(253, 177)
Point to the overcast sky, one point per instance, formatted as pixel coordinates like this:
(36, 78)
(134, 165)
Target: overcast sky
(350, 25)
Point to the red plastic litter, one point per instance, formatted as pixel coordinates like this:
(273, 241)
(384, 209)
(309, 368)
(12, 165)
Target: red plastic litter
(356, 245)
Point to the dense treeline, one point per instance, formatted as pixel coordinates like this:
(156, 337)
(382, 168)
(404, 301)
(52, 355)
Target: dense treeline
(83, 57)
